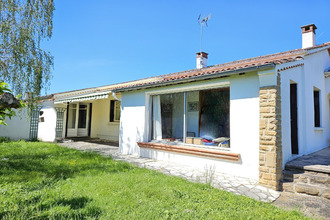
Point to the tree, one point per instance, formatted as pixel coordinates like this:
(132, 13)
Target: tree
(23, 64)
(7, 103)
(23, 26)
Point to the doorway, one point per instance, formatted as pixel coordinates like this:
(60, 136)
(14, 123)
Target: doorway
(78, 120)
(294, 118)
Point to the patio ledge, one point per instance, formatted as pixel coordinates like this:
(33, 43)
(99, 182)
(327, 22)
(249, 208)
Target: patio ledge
(191, 150)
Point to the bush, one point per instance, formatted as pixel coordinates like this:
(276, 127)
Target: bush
(4, 139)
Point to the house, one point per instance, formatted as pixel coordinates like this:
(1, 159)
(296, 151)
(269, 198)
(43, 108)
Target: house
(91, 112)
(247, 117)
(271, 108)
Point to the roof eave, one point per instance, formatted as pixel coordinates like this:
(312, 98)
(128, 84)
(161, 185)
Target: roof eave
(199, 78)
(327, 74)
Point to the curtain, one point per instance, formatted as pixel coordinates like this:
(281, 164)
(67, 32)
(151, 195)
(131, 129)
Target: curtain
(157, 118)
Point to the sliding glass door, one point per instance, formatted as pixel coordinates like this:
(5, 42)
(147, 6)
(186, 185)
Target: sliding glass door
(194, 114)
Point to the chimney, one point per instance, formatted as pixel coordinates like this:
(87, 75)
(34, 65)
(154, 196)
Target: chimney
(201, 61)
(308, 35)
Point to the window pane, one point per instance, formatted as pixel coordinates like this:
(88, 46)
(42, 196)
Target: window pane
(317, 118)
(82, 116)
(72, 116)
(207, 114)
(168, 117)
(117, 111)
(192, 114)
(214, 113)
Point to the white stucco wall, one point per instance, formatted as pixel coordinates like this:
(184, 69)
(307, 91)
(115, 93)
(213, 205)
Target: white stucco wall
(101, 127)
(244, 125)
(18, 127)
(132, 122)
(46, 129)
(310, 139)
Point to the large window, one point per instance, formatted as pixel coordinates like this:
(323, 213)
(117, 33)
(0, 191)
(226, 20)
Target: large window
(196, 117)
(114, 111)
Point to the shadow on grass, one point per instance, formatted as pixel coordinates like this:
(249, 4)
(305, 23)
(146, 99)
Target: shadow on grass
(74, 203)
(72, 208)
(59, 164)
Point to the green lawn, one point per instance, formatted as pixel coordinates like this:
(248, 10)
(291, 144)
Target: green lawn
(46, 181)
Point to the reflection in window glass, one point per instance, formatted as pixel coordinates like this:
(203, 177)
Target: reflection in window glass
(214, 113)
(207, 115)
(192, 114)
(72, 116)
(117, 111)
(168, 117)
(317, 114)
(82, 120)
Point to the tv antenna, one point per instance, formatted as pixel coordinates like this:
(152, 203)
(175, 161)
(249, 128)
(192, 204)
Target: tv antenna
(203, 22)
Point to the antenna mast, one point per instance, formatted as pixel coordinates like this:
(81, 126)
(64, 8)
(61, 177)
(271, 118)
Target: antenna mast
(202, 22)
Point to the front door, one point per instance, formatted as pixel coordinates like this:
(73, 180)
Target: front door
(78, 120)
(83, 120)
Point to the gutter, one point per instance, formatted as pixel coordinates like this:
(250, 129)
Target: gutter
(115, 96)
(198, 78)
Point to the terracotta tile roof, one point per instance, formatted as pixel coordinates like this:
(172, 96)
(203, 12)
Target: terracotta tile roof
(244, 64)
(272, 59)
(194, 74)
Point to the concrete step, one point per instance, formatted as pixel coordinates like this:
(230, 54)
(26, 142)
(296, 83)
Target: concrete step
(305, 188)
(314, 183)
(310, 189)
(306, 177)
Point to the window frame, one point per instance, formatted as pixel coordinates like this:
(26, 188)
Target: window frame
(72, 106)
(112, 112)
(317, 107)
(175, 89)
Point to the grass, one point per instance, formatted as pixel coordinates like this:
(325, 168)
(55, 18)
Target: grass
(46, 181)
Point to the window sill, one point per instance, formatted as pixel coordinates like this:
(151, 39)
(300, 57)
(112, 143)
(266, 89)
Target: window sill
(113, 123)
(191, 150)
(318, 129)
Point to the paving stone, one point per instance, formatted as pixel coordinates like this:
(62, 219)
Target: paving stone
(252, 195)
(262, 195)
(235, 184)
(242, 189)
(225, 185)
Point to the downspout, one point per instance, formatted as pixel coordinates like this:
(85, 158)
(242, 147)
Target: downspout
(114, 95)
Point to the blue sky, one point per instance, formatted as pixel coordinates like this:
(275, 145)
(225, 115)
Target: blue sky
(103, 42)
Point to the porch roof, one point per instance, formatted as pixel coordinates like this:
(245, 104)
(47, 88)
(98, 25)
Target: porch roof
(81, 98)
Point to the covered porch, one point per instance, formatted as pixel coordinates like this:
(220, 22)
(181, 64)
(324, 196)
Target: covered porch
(94, 114)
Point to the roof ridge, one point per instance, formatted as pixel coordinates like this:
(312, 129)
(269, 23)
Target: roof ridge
(209, 70)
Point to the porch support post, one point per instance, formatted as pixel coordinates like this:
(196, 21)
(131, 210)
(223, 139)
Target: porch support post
(67, 117)
(270, 130)
(59, 121)
(34, 123)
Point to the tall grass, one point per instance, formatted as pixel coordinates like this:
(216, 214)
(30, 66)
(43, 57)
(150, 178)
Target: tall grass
(45, 181)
